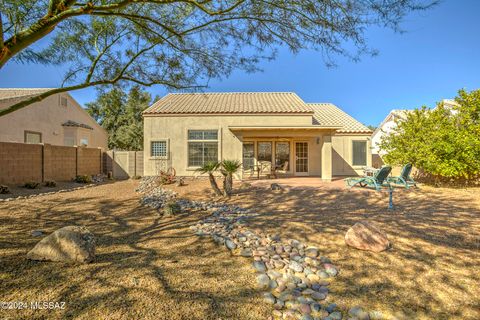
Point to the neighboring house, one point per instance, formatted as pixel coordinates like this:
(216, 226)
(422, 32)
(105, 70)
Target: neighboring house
(57, 120)
(262, 130)
(385, 128)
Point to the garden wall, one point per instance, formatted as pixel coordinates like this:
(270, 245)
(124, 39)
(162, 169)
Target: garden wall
(20, 162)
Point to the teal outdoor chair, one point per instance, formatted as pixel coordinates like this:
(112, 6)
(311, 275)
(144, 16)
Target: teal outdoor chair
(404, 179)
(377, 181)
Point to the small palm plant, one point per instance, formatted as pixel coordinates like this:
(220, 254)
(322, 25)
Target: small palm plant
(228, 168)
(210, 168)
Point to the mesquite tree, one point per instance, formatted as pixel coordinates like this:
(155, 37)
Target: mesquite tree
(181, 44)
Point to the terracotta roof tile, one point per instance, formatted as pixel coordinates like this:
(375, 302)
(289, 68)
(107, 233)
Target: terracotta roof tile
(13, 93)
(327, 114)
(230, 103)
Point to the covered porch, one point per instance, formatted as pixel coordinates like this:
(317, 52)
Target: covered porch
(276, 151)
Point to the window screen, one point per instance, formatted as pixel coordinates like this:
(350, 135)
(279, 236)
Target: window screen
(359, 153)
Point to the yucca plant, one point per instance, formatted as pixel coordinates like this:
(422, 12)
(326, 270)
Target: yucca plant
(228, 168)
(209, 168)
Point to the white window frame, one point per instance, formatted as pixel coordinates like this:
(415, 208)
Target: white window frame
(167, 148)
(189, 167)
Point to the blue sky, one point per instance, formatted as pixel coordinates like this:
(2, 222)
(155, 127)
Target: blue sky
(438, 55)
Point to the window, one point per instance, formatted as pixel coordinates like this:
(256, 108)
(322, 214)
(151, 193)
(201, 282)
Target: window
(248, 155)
(359, 150)
(69, 141)
(32, 137)
(282, 155)
(158, 149)
(84, 142)
(202, 147)
(265, 151)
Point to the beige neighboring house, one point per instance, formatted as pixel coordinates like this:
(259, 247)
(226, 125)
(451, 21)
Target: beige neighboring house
(57, 120)
(265, 131)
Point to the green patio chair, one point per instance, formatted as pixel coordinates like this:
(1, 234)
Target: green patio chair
(377, 181)
(404, 179)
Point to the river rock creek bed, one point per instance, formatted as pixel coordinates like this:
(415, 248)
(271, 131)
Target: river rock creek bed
(293, 276)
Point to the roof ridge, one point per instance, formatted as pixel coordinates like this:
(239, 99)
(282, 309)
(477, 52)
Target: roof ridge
(27, 88)
(235, 92)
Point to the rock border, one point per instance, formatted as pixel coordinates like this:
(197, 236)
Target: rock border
(48, 193)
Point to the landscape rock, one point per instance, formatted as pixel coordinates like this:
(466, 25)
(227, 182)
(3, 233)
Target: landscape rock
(367, 235)
(359, 313)
(68, 244)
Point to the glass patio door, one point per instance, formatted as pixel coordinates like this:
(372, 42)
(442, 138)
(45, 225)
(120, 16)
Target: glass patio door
(301, 158)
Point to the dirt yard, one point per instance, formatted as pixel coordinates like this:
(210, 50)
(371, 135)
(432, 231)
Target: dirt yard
(152, 268)
(146, 267)
(433, 269)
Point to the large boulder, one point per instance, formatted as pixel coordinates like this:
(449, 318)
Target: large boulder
(365, 235)
(68, 244)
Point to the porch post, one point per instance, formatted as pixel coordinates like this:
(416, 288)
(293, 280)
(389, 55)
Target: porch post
(327, 158)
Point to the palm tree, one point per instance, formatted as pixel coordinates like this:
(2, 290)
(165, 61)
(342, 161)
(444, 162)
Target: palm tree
(210, 168)
(228, 168)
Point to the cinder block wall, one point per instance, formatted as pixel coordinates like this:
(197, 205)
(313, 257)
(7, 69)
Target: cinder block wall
(20, 162)
(89, 161)
(60, 163)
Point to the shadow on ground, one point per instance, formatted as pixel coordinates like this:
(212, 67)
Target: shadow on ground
(432, 271)
(146, 267)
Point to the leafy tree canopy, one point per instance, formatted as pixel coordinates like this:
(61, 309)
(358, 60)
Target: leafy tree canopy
(443, 142)
(181, 44)
(121, 115)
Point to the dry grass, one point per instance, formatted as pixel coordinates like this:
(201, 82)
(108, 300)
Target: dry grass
(146, 267)
(433, 269)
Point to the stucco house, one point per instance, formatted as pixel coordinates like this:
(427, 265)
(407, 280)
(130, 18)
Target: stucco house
(57, 120)
(265, 131)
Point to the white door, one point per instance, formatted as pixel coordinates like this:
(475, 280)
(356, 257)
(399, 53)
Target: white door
(301, 158)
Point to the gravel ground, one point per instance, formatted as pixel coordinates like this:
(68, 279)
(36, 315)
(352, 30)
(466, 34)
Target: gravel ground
(432, 271)
(146, 267)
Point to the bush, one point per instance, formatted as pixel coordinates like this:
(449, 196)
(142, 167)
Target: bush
(50, 184)
(83, 179)
(171, 208)
(4, 189)
(443, 143)
(31, 185)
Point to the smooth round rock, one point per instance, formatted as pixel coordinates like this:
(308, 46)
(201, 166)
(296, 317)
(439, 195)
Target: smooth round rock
(359, 313)
(263, 281)
(269, 298)
(259, 266)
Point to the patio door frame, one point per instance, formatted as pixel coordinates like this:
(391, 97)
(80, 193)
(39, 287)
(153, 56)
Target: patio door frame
(295, 158)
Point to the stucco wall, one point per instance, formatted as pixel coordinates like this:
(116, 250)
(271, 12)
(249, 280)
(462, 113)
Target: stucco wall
(47, 117)
(174, 130)
(342, 155)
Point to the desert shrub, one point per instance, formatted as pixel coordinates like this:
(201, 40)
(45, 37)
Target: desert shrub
(50, 184)
(171, 208)
(83, 179)
(31, 185)
(4, 189)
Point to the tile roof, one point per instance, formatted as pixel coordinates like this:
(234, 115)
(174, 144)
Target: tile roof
(14, 93)
(327, 114)
(230, 103)
(71, 123)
